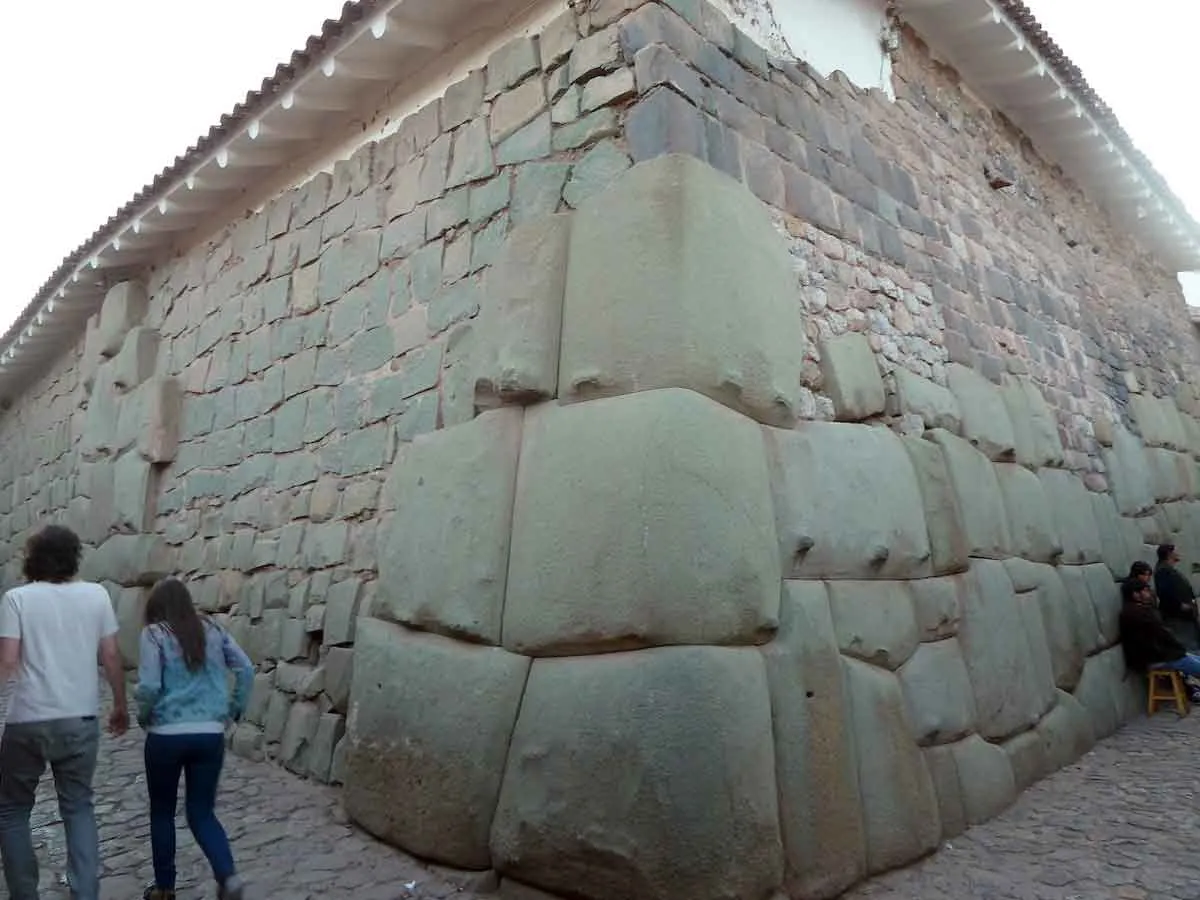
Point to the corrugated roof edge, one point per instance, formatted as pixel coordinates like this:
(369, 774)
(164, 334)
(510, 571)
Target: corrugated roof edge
(353, 11)
(1074, 80)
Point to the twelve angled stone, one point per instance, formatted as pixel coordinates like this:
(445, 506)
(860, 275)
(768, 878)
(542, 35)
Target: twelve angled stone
(663, 536)
(852, 377)
(444, 560)
(521, 316)
(937, 606)
(937, 691)
(678, 278)
(985, 420)
(645, 776)
(874, 621)
(428, 737)
(819, 802)
(847, 503)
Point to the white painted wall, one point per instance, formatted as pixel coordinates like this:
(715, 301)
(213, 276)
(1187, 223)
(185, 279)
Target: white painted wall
(1190, 282)
(830, 35)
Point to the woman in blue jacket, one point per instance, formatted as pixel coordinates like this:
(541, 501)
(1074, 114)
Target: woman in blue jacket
(184, 703)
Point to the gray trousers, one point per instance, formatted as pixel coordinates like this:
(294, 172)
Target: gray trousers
(69, 746)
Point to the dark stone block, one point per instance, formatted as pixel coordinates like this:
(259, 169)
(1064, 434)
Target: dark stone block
(664, 122)
(866, 160)
(894, 248)
(900, 185)
(810, 200)
(764, 174)
(658, 64)
(655, 24)
(722, 148)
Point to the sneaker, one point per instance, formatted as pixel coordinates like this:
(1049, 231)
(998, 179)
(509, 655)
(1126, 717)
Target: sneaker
(232, 889)
(157, 893)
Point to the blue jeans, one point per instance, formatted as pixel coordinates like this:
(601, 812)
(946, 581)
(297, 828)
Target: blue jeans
(198, 757)
(1188, 665)
(69, 746)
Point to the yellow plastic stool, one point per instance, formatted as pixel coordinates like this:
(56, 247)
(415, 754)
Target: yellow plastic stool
(1173, 689)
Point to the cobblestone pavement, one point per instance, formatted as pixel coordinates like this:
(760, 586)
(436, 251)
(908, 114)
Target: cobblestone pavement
(1122, 823)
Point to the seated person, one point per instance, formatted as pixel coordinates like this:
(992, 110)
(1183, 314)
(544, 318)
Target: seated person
(1176, 598)
(1147, 642)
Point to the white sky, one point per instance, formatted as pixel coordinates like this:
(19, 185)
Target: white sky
(100, 96)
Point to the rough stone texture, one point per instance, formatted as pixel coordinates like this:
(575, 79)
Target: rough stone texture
(986, 778)
(873, 531)
(423, 774)
(985, 419)
(1009, 695)
(900, 810)
(575, 815)
(521, 317)
(651, 301)
(1129, 474)
(1073, 516)
(852, 377)
(979, 498)
(873, 621)
(938, 694)
(937, 606)
(819, 801)
(444, 557)
(610, 560)
(934, 404)
(947, 540)
(1031, 524)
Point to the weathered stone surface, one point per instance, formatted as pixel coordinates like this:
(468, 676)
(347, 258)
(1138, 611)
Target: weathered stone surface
(943, 771)
(423, 774)
(123, 309)
(1031, 524)
(1116, 550)
(135, 363)
(947, 540)
(874, 621)
(1059, 625)
(980, 500)
(521, 316)
(1106, 601)
(874, 530)
(150, 417)
(129, 559)
(1073, 516)
(1035, 431)
(985, 420)
(653, 299)
(1009, 695)
(609, 560)
(986, 778)
(696, 813)
(1065, 732)
(937, 606)
(1097, 691)
(815, 764)
(1027, 758)
(1170, 480)
(936, 405)
(1130, 477)
(937, 693)
(852, 377)
(1088, 637)
(1158, 420)
(444, 560)
(900, 810)
(131, 493)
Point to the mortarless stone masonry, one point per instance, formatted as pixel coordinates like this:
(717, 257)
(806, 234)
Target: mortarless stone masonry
(498, 448)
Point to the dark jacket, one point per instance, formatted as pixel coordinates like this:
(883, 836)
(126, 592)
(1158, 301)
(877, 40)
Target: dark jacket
(1174, 590)
(1145, 638)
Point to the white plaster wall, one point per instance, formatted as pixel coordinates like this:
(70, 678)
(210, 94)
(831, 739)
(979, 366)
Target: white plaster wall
(830, 35)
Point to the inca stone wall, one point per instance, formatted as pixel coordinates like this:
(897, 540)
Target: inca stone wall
(653, 471)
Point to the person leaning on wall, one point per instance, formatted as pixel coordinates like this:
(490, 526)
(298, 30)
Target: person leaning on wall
(1176, 597)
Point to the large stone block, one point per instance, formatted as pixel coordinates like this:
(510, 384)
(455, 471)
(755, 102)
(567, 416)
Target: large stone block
(444, 555)
(874, 621)
(129, 559)
(1088, 637)
(100, 422)
(132, 510)
(947, 540)
(646, 776)
(900, 809)
(135, 363)
(1117, 551)
(1059, 624)
(123, 309)
(521, 317)
(937, 406)
(1031, 524)
(986, 778)
(1009, 695)
(665, 536)
(150, 417)
(943, 770)
(937, 691)
(980, 500)
(1065, 732)
(1097, 691)
(1171, 480)
(847, 503)
(429, 728)
(678, 278)
(1106, 601)
(819, 802)
(937, 606)
(1027, 758)
(1035, 430)
(852, 377)
(1159, 421)
(1073, 516)
(985, 420)
(1130, 477)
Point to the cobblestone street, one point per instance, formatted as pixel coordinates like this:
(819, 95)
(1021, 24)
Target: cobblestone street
(1121, 824)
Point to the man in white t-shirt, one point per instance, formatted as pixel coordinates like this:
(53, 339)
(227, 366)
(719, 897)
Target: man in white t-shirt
(55, 634)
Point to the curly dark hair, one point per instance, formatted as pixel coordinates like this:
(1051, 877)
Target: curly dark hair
(52, 554)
